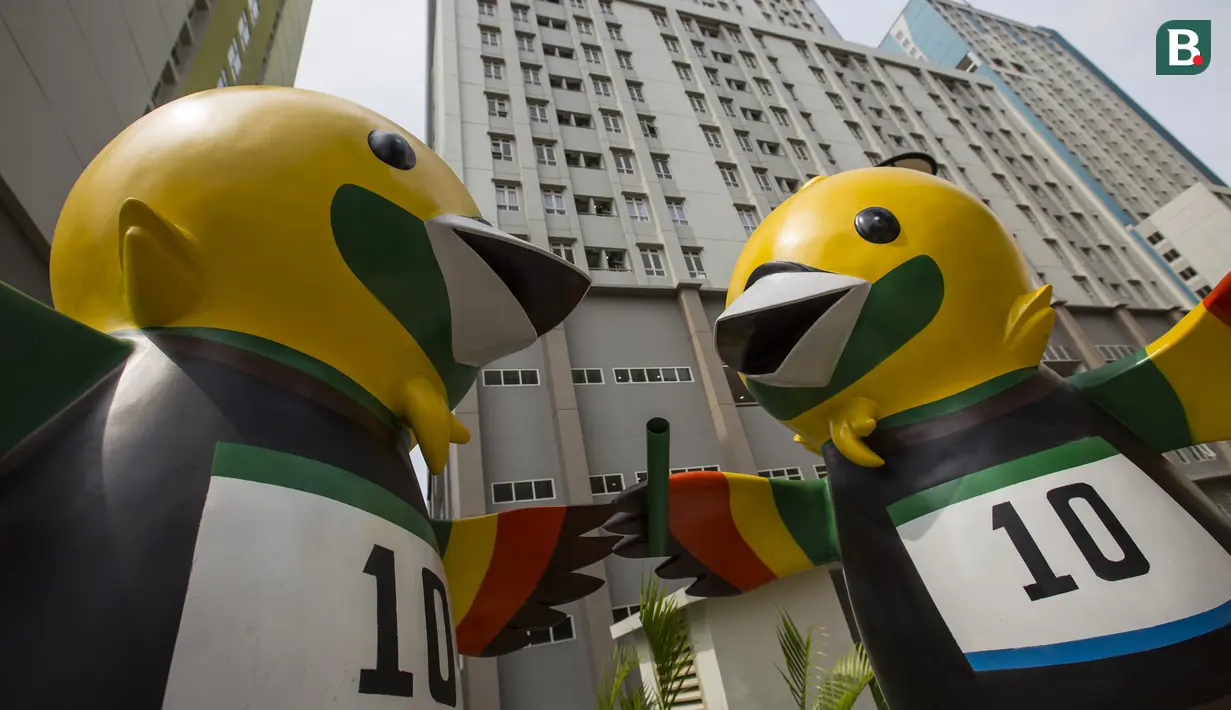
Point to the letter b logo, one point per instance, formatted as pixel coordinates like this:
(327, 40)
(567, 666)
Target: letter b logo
(1182, 47)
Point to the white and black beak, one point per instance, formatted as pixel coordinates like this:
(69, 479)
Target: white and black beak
(789, 326)
(503, 292)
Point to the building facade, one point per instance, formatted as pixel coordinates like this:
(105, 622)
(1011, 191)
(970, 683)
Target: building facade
(77, 73)
(1193, 233)
(645, 142)
(1126, 158)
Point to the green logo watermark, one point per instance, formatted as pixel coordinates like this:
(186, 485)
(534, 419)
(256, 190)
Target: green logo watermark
(1182, 47)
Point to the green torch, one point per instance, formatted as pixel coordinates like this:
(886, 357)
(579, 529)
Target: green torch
(658, 454)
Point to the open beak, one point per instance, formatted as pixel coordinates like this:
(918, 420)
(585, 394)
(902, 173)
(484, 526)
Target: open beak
(503, 292)
(789, 329)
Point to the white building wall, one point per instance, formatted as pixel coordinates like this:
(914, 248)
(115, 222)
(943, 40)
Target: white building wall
(1193, 233)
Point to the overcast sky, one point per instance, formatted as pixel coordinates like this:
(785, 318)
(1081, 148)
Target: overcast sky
(374, 52)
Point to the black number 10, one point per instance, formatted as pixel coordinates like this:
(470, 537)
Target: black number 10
(387, 678)
(1046, 582)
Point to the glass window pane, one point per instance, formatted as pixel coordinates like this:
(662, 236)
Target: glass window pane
(563, 631)
(654, 374)
(596, 485)
(523, 490)
(594, 377)
(669, 374)
(544, 489)
(638, 374)
(502, 492)
(529, 377)
(620, 613)
(579, 377)
(491, 378)
(615, 483)
(684, 373)
(540, 636)
(510, 377)
(621, 374)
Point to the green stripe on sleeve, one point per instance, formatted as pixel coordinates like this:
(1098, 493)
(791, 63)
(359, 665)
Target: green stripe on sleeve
(1133, 390)
(806, 508)
(1070, 455)
(274, 468)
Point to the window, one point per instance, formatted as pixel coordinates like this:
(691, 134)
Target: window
(1194, 454)
(692, 262)
(638, 211)
(553, 200)
(604, 6)
(489, 37)
(521, 14)
(223, 79)
(770, 148)
(801, 150)
(750, 60)
(683, 72)
(753, 115)
(652, 261)
(563, 82)
(538, 112)
(235, 58)
(641, 477)
(729, 176)
(612, 123)
(593, 56)
(604, 483)
(1171, 255)
(745, 143)
(748, 218)
(698, 103)
(1111, 353)
(531, 75)
(497, 106)
(545, 153)
(584, 27)
(493, 69)
(245, 31)
(787, 185)
(552, 22)
(737, 85)
(712, 76)
(675, 208)
(507, 198)
(606, 259)
(836, 101)
(652, 375)
(648, 129)
(525, 42)
(1028, 215)
(1188, 273)
(762, 179)
(510, 378)
(487, 9)
(1201, 292)
(602, 87)
(623, 162)
(791, 474)
(564, 250)
(554, 51)
(519, 491)
(780, 115)
(659, 19)
(588, 376)
(254, 9)
(727, 107)
(1154, 238)
(821, 470)
(673, 45)
(625, 60)
(620, 613)
(765, 87)
(712, 137)
(634, 92)
(502, 148)
(615, 32)
(662, 166)
(855, 130)
(722, 57)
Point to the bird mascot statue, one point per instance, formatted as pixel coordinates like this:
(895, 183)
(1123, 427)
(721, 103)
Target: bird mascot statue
(1010, 539)
(265, 297)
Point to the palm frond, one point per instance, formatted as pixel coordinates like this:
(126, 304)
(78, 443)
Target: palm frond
(666, 632)
(612, 693)
(796, 649)
(850, 676)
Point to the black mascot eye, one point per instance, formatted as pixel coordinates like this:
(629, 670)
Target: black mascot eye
(877, 225)
(392, 149)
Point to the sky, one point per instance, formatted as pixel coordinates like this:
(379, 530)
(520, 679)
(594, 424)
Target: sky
(1118, 37)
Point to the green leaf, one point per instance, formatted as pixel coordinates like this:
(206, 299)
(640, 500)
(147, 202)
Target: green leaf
(666, 632)
(842, 686)
(797, 652)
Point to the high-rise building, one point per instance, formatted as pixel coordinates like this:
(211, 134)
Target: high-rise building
(1191, 233)
(76, 74)
(645, 142)
(1126, 158)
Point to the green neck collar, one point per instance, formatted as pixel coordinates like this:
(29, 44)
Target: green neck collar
(956, 402)
(289, 357)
